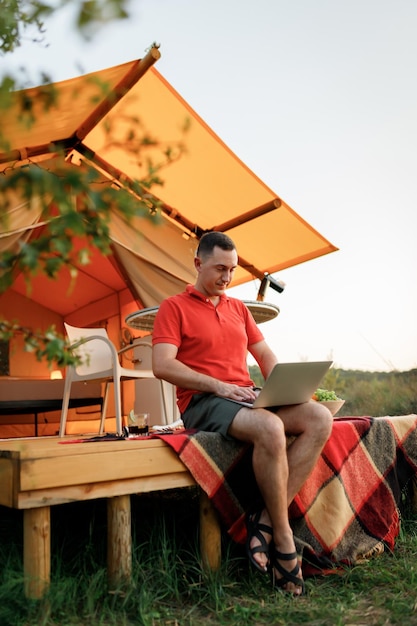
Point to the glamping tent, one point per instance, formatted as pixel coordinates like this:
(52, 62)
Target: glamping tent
(206, 188)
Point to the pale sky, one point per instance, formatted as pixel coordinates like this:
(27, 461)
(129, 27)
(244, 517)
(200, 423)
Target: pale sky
(319, 99)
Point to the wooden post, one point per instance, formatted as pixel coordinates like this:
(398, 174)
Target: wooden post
(36, 551)
(210, 534)
(119, 541)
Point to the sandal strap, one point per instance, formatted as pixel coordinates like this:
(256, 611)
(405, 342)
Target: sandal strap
(254, 531)
(287, 575)
(255, 528)
(264, 546)
(263, 527)
(285, 556)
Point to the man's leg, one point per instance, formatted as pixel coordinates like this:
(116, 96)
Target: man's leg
(279, 474)
(311, 423)
(270, 466)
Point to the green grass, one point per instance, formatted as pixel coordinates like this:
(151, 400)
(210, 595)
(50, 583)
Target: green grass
(169, 588)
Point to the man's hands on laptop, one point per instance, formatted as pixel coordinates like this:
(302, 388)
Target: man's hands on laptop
(239, 394)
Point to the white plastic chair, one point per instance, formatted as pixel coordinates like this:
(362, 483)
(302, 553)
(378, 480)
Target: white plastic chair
(100, 362)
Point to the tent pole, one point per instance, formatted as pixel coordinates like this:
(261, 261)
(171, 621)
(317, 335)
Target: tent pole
(248, 216)
(136, 72)
(128, 81)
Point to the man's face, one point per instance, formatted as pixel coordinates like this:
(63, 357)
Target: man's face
(216, 271)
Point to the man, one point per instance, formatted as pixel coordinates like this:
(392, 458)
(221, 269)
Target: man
(201, 339)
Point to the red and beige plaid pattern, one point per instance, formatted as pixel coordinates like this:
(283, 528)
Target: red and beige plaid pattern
(349, 504)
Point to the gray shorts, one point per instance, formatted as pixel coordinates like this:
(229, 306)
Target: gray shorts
(208, 412)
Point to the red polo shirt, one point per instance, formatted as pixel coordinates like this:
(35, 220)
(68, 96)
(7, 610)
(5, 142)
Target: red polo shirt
(210, 340)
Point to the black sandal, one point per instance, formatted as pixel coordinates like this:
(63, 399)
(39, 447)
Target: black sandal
(254, 529)
(287, 576)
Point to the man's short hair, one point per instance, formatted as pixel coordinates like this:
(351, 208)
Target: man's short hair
(209, 240)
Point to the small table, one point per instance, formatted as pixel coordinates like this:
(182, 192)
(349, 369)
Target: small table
(145, 318)
(25, 396)
(262, 311)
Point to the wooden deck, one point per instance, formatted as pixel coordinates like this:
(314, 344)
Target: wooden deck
(38, 473)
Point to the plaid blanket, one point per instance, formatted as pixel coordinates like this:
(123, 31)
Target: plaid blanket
(348, 508)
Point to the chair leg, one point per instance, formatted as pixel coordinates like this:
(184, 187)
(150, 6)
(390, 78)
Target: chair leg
(118, 405)
(104, 408)
(164, 402)
(65, 403)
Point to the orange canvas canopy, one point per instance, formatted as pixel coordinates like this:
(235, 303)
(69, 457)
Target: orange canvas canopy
(207, 188)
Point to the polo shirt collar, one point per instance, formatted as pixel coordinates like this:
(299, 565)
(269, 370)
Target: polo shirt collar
(192, 291)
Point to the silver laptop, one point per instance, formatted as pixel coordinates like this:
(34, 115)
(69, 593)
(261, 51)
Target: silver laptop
(290, 383)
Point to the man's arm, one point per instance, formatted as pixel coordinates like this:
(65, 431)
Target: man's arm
(165, 365)
(264, 356)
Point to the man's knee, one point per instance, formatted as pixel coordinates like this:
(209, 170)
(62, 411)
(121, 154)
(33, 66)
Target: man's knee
(272, 432)
(322, 420)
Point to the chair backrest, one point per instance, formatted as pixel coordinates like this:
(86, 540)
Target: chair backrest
(95, 354)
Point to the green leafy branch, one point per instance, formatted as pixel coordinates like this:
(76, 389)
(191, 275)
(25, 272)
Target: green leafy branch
(81, 207)
(19, 17)
(47, 346)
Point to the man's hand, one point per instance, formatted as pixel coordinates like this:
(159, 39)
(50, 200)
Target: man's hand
(234, 392)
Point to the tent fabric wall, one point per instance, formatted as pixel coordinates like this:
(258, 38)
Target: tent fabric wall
(151, 282)
(151, 261)
(16, 222)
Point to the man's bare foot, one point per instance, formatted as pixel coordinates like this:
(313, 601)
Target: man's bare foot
(259, 537)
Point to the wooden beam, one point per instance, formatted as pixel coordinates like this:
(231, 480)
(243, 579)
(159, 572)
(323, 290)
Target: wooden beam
(248, 216)
(116, 94)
